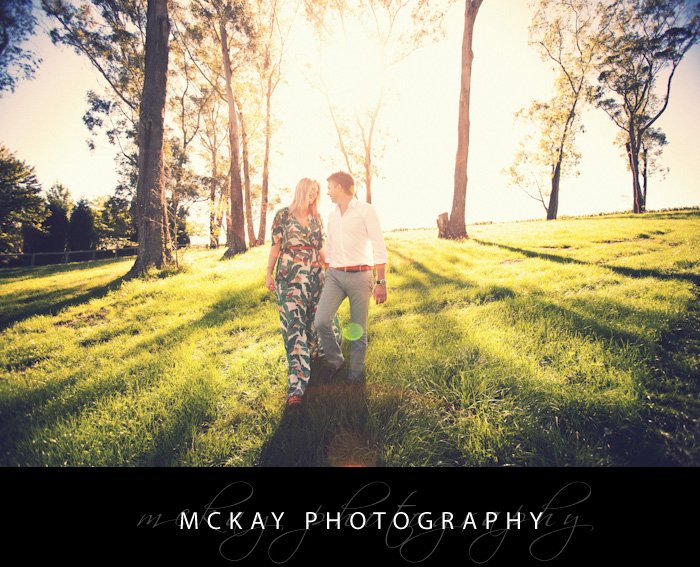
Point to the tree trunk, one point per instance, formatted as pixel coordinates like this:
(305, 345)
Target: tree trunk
(339, 133)
(173, 218)
(235, 228)
(553, 207)
(266, 163)
(457, 225)
(442, 222)
(226, 214)
(368, 150)
(638, 204)
(155, 246)
(246, 179)
(213, 226)
(645, 157)
(368, 173)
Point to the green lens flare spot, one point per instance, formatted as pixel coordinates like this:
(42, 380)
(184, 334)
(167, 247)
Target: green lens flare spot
(353, 331)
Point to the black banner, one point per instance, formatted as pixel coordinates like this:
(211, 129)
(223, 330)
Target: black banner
(400, 516)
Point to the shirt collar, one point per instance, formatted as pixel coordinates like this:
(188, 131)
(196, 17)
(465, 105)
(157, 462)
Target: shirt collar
(351, 205)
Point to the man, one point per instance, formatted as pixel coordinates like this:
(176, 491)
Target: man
(355, 248)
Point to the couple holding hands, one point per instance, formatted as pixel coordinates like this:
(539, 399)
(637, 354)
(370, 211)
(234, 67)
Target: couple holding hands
(309, 297)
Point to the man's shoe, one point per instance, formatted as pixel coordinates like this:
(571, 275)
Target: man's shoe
(329, 372)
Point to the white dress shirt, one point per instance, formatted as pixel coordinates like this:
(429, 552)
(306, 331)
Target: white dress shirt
(355, 238)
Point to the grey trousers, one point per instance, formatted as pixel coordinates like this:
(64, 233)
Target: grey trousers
(357, 287)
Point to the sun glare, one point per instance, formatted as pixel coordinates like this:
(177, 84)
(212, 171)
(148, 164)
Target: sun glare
(353, 71)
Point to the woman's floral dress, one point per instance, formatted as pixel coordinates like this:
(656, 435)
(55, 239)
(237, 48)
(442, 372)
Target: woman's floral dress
(298, 282)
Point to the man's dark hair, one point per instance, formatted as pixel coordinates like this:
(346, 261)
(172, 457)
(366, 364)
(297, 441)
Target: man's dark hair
(343, 179)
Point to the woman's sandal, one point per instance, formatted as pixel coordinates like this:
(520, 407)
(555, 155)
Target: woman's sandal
(295, 400)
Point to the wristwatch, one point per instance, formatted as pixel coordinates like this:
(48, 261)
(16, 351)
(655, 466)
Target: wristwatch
(380, 282)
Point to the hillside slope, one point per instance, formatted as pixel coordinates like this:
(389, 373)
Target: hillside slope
(572, 342)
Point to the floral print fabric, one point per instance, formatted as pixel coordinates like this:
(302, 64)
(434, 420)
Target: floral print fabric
(298, 283)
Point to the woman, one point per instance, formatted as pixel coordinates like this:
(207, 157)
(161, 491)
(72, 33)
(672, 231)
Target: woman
(297, 250)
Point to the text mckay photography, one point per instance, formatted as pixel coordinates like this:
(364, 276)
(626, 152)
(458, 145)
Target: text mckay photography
(414, 533)
(423, 517)
(426, 516)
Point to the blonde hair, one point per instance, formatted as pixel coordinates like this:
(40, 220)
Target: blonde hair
(302, 198)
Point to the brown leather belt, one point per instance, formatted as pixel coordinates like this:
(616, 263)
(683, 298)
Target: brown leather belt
(300, 248)
(362, 268)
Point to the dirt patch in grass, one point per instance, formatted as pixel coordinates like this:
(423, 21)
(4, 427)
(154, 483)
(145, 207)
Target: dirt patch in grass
(85, 319)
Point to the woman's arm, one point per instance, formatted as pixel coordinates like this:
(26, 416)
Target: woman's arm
(322, 256)
(271, 261)
(323, 252)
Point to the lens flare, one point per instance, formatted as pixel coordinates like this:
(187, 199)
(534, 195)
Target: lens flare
(353, 331)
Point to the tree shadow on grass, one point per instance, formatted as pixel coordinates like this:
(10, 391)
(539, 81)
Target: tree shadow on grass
(432, 278)
(672, 409)
(655, 430)
(14, 275)
(621, 270)
(562, 423)
(667, 430)
(218, 315)
(44, 407)
(585, 317)
(592, 318)
(335, 427)
(21, 305)
(338, 429)
(426, 280)
(630, 434)
(661, 427)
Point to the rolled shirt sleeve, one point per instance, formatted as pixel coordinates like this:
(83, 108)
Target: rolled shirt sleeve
(374, 231)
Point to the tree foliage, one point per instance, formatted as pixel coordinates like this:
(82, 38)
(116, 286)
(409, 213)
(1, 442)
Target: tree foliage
(544, 147)
(20, 200)
(60, 197)
(111, 34)
(565, 34)
(644, 41)
(212, 146)
(273, 21)
(81, 231)
(222, 34)
(116, 227)
(17, 25)
(53, 234)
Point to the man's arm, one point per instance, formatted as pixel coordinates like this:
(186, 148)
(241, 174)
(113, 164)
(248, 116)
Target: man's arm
(374, 231)
(380, 293)
(323, 256)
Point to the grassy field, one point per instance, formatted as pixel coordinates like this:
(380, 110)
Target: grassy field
(573, 342)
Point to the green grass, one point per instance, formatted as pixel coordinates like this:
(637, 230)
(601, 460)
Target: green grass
(573, 342)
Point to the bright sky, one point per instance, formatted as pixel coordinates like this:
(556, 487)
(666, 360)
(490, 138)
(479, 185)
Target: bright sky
(42, 124)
